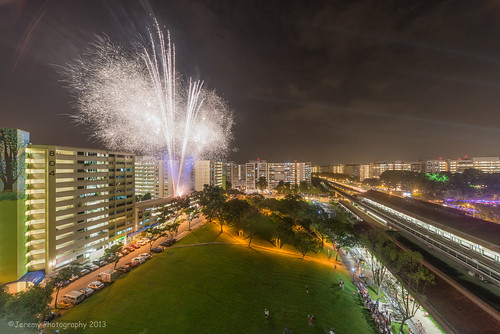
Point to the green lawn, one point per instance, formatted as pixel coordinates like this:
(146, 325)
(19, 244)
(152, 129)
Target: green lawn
(224, 289)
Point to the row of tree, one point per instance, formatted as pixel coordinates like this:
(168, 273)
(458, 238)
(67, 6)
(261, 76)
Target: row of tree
(411, 276)
(287, 221)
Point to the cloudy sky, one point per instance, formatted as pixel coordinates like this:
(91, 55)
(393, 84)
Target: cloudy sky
(324, 81)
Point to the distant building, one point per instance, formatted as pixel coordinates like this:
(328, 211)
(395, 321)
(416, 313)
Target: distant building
(255, 169)
(352, 170)
(337, 169)
(210, 172)
(435, 166)
(150, 177)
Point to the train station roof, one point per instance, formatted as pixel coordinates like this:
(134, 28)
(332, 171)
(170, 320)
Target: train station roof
(480, 231)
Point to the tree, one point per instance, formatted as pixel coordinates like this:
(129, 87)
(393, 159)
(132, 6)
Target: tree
(212, 201)
(283, 233)
(154, 234)
(229, 185)
(30, 305)
(5, 298)
(234, 211)
(114, 250)
(304, 240)
(146, 196)
(252, 223)
(62, 277)
(175, 208)
(262, 183)
(11, 143)
(344, 235)
(172, 229)
(192, 213)
(281, 187)
(378, 255)
(412, 280)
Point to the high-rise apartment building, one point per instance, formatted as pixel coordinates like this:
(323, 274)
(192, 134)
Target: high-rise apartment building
(209, 172)
(255, 169)
(76, 201)
(150, 177)
(435, 166)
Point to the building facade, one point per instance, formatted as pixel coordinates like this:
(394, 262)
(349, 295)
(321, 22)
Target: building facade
(210, 172)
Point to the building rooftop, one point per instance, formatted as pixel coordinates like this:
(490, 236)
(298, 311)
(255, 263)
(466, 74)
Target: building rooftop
(480, 231)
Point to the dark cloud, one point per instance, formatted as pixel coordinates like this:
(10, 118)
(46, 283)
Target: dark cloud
(327, 81)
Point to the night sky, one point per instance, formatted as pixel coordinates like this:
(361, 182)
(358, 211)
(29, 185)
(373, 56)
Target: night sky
(322, 81)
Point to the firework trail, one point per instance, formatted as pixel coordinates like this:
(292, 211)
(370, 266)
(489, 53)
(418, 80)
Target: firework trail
(133, 99)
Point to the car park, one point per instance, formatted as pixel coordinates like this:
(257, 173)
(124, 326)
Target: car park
(145, 256)
(87, 291)
(96, 285)
(156, 250)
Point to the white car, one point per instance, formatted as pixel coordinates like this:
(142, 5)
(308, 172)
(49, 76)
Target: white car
(139, 259)
(96, 285)
(142, 242)
(145, 256)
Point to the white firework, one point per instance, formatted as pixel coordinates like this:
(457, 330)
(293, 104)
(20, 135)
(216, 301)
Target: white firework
(133, 99)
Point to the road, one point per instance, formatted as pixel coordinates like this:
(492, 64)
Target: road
(91, 277)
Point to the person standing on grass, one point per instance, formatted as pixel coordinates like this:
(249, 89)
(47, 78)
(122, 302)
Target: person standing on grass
(266, 313)
(307, 289)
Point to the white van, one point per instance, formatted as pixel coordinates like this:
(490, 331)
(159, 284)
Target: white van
(73, 297)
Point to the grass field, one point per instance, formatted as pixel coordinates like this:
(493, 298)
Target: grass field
(224, 288)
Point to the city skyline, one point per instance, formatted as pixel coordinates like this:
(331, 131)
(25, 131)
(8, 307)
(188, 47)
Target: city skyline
(398, 86)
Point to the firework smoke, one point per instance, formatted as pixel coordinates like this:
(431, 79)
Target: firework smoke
(133, 99)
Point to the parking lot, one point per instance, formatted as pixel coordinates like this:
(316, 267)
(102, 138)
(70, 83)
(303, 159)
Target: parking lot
(92, 276)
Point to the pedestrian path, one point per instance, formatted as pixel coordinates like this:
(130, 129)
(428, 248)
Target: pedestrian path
(420, 323)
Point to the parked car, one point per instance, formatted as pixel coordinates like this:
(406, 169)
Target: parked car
(120, 255)
(139, 259)
(132, 264)
(130, 248)
(73, 297)
(84, 271)
(87, 291)
(91, 267)
(141, 243)
(100, 263)
(124, 269)
(74, 278)
(156, 250)
(96, 285)
(111, 259)
(124, 251)
(168, 243)
(145, 256)
(49, 317)
(136, 246)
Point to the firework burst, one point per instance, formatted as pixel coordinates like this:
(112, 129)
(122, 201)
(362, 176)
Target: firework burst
(132, 99)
